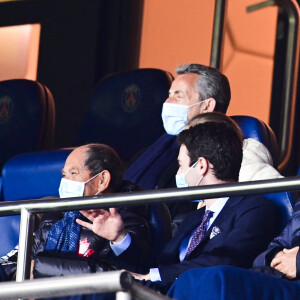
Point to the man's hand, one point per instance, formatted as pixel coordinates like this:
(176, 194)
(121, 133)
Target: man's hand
(31, 269)
(140, 276)
(285, 262)
(108, 225)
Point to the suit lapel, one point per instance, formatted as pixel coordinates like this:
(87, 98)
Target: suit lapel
(222, 216)
(188, 225)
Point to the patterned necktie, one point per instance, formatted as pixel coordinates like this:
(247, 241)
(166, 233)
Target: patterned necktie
(199, 233)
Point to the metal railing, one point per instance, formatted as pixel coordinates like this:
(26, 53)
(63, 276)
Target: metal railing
(120, 282)
(289, 77)
(216, 52)
(28, 207)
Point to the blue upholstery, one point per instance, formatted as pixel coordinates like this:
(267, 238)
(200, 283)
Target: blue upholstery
(33, 175)
(257, 129)
(1, 197)
(9, 233)
(28, 176)
(159, 219)
(125, 111)
(285, 201)
(27, 117)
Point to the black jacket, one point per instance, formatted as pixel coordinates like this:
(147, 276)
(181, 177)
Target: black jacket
(96, 253)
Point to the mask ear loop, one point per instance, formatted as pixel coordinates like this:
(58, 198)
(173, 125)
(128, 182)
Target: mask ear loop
(85, 182)
(197, 103)
(92, 179)
(199, 181)
(201, 177)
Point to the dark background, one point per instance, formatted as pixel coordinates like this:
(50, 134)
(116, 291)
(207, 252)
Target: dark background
(81, 42)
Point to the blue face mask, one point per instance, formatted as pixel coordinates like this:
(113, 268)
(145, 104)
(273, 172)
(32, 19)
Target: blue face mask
(71, 188)
(175, 117)
(181, 178)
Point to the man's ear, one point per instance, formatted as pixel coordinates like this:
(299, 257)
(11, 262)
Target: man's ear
(208, 105)
(202, 166)
(103, 181)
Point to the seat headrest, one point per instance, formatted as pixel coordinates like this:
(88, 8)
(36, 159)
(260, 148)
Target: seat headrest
(258, 130)
(26, 117)
(33, 175)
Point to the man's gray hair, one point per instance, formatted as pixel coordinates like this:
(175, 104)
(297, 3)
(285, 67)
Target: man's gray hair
(211, 84)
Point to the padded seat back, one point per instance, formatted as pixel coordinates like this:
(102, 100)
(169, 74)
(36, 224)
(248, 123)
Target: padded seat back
(33, 175)
(125, 111)
(9, 233)
(258, 130)
(159, 219)
(27, 116)
(1, 192)
(285, 202)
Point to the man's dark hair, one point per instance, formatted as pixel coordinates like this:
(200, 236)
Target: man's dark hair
(216, 117)
(211, 84)
(219, 143)
(101, 157)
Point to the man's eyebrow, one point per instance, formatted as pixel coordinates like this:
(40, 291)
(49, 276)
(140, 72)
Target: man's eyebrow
(178, 91)
(70, 169)
(175, 92)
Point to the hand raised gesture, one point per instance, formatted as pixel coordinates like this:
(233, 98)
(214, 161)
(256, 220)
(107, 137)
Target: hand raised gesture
(107, 224)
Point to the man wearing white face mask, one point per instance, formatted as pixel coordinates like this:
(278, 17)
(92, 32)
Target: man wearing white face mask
(195, 90)
(63, 247)
(227, 231)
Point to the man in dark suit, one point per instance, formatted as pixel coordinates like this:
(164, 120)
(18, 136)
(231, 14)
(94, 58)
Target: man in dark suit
(227, 231)
(196, 89)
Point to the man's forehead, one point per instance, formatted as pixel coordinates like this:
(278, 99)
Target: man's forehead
(183, 80)
(76, 159)
(183, 152)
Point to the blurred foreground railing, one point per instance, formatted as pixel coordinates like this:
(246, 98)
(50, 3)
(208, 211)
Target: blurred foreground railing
(120, 282)
(28, 207)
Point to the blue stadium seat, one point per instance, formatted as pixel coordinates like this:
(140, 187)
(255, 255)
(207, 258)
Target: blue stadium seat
(125, 111)
(260, 131)
(28, 176)
(9, 235)
(27, 117)
(257, 129)
(33, 175)
(160, 222)
(1, 197)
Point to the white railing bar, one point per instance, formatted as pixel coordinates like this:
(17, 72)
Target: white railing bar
(105, 282)
(25, 245)
(153, 196)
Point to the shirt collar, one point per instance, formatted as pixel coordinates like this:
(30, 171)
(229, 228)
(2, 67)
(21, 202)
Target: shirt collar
(217, 206)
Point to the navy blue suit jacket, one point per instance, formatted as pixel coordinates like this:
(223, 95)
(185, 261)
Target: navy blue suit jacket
(247, 225)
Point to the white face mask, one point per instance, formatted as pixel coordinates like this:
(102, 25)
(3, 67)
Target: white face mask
(181, 178)
(70, 188)
(175, 117)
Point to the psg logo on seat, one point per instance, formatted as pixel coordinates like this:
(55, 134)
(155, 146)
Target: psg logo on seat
(6, 109)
